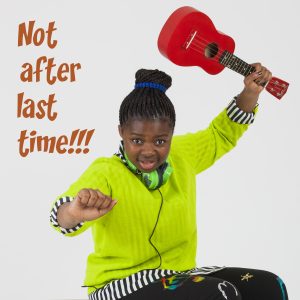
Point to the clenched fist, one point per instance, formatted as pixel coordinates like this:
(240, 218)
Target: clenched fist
(88, 205)
(253, 85)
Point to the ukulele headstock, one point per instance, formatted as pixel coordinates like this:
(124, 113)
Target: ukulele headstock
(277, 87)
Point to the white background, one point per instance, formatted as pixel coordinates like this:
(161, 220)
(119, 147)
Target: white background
(248, 202)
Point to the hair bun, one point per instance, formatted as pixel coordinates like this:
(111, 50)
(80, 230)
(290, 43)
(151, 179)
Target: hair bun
(154, 76)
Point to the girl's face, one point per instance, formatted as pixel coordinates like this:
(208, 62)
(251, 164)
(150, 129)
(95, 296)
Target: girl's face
(147, 142)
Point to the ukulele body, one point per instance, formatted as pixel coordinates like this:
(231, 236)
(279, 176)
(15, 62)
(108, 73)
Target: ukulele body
(189, 38)
(203, 48)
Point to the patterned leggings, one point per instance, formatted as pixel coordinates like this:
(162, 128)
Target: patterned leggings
(229, 283)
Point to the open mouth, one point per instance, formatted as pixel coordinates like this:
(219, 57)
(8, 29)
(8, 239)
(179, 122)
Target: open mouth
(147, 165)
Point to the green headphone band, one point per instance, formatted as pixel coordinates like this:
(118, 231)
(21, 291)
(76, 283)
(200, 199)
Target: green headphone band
(155, 179)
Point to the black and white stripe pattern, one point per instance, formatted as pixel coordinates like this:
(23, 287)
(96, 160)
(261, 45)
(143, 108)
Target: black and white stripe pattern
(204, 270)
(120, 288)
(239, 116)
(121, 155)
(53, 215)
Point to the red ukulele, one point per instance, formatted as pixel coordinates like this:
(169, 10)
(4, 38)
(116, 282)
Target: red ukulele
(189, 38)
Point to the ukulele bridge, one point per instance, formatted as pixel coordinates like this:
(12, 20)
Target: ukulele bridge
(198, 44)
(189, 39)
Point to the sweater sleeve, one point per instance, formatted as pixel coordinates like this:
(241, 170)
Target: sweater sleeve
(92, 178)
(201, 149)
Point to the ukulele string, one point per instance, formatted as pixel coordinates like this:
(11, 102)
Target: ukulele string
(199, 45)
(276, 86)
(199, 49)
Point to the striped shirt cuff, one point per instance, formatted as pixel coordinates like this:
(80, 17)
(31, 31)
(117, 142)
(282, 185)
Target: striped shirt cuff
(120, 288)
(53, 216)
(239, 116)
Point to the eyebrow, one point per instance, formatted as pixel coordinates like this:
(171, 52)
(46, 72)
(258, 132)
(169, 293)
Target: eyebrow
(157, 136)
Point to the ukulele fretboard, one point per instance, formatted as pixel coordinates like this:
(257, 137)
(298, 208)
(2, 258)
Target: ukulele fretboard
(236, 64)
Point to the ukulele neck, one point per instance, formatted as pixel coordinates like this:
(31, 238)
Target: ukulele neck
(236, 64)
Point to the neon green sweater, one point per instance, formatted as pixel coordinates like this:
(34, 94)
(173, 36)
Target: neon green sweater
(121, 245)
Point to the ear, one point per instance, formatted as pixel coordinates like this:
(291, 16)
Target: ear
(120, 131)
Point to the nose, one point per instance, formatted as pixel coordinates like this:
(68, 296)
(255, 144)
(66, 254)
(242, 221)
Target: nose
(148, 150)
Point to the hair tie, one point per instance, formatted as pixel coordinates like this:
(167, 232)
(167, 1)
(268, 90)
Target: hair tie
(150, 85)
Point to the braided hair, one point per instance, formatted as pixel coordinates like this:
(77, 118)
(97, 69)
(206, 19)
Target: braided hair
(148, 101)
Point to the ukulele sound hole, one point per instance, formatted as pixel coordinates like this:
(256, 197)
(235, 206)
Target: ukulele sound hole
(211, 50)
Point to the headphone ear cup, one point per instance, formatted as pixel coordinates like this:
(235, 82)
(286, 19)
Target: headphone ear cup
(167, 173)
(154, 179)
(160, 175)
(151, 180)
(157, 178)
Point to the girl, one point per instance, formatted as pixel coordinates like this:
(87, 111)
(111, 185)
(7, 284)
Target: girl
(141, 202)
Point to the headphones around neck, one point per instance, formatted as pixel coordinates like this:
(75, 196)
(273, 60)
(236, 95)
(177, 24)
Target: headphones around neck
(155, 179)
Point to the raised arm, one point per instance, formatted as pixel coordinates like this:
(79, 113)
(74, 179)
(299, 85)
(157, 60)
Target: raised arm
(204, 147)
(254, 84)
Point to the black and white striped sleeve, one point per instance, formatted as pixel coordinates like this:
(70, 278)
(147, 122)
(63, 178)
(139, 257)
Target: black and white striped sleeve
(239, 116)
(53, 216)
(117, 289)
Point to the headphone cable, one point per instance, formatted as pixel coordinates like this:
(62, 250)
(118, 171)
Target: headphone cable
(161, 204)
(160, 259)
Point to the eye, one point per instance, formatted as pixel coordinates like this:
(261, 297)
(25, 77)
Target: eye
(137, 141)
(159, 142)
